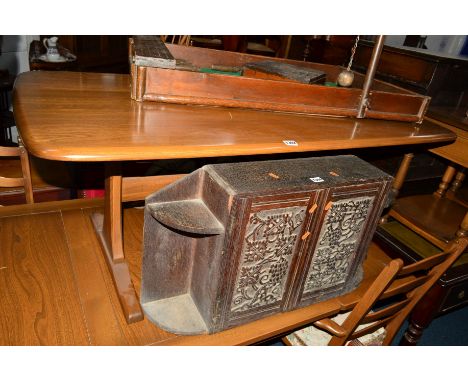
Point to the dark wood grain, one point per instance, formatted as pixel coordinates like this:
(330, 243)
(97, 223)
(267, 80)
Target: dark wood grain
(151, 51)
(218, 267)
(288, 71)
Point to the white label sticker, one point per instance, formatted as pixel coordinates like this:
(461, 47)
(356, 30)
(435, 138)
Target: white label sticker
(317, 179)
(291, 143)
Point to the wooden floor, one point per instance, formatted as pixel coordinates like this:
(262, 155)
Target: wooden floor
(55, 288)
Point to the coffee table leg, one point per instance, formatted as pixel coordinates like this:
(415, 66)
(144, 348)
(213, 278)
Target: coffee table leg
(422, 315)
(109, 230)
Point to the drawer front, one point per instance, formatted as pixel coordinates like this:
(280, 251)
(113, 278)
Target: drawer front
(456, 296)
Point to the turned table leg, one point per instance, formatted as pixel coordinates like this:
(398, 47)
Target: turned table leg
(426, 309)
(446, 179)
(398, 181)
(463, 229)
(456, 184)
(401, 174)
(110, 233)
(422, 315)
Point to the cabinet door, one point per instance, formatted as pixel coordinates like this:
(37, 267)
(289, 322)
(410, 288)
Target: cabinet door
(334, 263)
(270, 237)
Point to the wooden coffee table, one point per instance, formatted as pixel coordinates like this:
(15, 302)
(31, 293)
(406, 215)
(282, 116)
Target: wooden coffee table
(89, 117)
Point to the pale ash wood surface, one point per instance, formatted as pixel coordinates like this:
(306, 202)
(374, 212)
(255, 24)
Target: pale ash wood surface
(60, 292)
(90, 117)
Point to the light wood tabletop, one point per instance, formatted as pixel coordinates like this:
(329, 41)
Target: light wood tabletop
(70, 116)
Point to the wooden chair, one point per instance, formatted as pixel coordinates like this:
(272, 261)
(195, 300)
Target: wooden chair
(396, 290)
(426, 223)
(180, 40)
(274, 46)
(25, 180)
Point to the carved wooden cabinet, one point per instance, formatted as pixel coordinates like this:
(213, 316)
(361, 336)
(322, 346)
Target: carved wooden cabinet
(231, 243)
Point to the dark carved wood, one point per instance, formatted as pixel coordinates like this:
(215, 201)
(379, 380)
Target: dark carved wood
(150, 51)
(288, 71)
(231, 243)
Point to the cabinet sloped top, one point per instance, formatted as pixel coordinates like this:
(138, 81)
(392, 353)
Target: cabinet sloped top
(72, 116)
(276, 175)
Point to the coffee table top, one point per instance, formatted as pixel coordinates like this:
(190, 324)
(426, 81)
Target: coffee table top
(72, 116)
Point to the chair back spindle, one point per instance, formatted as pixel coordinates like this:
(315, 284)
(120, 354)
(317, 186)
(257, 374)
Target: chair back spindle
(25, 180)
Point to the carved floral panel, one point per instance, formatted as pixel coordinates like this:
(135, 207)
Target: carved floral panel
(337, 243)
(270, 238)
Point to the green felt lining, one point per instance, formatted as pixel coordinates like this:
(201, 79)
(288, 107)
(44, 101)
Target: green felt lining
(416, 242)
(214, 71)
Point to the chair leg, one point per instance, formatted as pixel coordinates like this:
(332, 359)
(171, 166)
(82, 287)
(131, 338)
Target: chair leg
(463, 230)
(26, 169)
(456, 184)
(446, 179)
